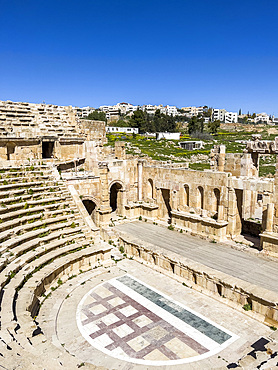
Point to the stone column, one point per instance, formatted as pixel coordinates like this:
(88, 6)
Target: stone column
(220, 214)
(140, 179)
(269, 217)
(104, 208)
(221, 160)
(121, 202)
(234, 226)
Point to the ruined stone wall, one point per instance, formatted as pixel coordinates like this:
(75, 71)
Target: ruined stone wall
(184, 186)
(17, 149)
(93, 130)
(68, 151)
(125, 173)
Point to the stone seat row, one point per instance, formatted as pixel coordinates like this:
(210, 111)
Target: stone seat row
(36, 235)
(29, 204)
(16, 230)
(39, 245)
(35, 194)
(16, 280)
(21, 344)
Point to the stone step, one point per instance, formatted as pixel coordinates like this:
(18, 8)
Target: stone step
(13, 180)
(33, 196)
(21, 184)
(37, 224)
(30, 270)
(20, 260)
(29, 295)
(5, 209)
(6, 225)
(31, 239)
(28, 211)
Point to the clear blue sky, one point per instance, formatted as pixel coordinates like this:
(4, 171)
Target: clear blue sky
(183, 52)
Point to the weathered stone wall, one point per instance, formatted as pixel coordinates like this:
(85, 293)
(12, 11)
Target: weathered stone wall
(17, 149)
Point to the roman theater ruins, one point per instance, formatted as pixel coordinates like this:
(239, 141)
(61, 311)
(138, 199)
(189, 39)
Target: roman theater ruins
(113, 261)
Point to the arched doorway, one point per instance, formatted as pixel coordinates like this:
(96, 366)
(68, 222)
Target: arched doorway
(216, 199)
(90, 207)
(150, 189)
(114, 190)
(200, 197)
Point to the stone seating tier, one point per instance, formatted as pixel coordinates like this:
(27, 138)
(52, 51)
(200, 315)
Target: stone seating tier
(40, 119)
(43, 238)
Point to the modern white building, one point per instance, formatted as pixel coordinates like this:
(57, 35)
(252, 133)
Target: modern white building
(218, 115)
(230, 117)
(191, 145)
(193, 111)
(262, 117)
(126, 130)
(168, 135)
(84, 111)
(171, 110)
(223, 116)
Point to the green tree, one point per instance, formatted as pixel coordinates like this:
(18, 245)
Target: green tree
(139, 120)
(97, 116)
(213, 126)
(195, 124)
(239, 112)
(121, 123)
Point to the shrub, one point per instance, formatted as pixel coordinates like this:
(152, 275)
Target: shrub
(247, 307)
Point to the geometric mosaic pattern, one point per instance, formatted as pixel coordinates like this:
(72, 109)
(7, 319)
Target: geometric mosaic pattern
(127, 319)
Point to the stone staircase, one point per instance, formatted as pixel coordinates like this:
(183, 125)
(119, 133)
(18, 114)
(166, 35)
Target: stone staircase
(43, 242)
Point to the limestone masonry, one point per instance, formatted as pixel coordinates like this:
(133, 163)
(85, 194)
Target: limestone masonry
(62, 192)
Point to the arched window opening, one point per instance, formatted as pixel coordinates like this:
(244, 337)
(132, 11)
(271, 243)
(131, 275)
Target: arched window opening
(216, 200)
(150, 189)
(186, 195)
(114, 190)
(200, 197)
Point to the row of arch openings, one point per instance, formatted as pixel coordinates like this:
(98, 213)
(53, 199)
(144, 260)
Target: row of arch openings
(200, 197)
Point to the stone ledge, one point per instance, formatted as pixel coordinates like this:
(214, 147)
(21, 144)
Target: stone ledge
(230, 290)
(195, 217)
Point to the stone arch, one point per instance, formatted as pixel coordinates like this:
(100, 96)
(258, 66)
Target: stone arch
(185, 195)
(150, 189)
(91, 206)
(114, 195)
(216, 199)
(92, 198)
(200, 197)
(116, 182)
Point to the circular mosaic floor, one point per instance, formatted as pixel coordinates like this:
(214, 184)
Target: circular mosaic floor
(131, 321)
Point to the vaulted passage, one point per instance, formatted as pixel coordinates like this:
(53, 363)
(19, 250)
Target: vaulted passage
(114, 190)
(89, 205)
